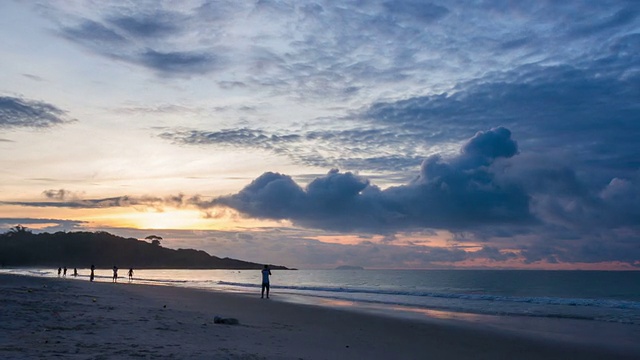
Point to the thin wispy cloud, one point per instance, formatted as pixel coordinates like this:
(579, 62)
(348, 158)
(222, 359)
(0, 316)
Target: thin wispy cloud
(65, 199)
(17, 112)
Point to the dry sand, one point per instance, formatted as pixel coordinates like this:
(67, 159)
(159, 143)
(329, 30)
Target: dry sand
(48, 318)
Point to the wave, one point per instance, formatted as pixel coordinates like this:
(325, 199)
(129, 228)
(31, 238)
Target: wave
(582, 302)
(161, 281)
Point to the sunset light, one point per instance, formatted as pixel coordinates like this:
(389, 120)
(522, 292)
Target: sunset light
(429, 179)
(427, 134)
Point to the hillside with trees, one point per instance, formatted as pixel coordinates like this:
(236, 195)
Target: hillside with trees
(20, 247)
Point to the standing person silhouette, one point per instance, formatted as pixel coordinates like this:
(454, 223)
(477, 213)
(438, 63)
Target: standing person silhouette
(59, 271)
(75, 272)
(64, 272)
(115, 273)
(92, 275)
(265, 280)
(130, 274)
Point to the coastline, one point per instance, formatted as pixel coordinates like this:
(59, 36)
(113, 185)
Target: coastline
(49, 316)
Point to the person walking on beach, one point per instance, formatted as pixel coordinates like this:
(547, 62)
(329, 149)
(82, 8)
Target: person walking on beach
(130, 274)
(64, 272)
(115, 273)
(75, 272)
(92, 269)
(265, 280)
(59, 271)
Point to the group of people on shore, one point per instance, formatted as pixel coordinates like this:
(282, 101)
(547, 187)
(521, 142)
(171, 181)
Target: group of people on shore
(266, 272)
(62, 271)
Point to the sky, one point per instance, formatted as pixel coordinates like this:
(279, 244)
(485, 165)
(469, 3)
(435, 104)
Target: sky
(313, 134)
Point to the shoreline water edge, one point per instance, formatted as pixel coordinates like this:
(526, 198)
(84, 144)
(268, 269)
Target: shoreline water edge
(64, 306)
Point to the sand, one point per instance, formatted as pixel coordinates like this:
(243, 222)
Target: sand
(47, 318)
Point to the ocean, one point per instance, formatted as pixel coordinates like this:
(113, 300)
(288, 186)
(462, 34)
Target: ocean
(598, 296)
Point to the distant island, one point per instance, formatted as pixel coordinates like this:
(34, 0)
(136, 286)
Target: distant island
(349, 267)
(20, 247)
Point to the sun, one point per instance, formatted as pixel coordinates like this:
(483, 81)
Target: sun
(173, 219)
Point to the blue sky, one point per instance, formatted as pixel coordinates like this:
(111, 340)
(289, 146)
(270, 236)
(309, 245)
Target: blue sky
(394, 134)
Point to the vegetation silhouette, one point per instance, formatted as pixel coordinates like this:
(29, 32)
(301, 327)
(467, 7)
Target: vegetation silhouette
(155, 240)
(20, 247)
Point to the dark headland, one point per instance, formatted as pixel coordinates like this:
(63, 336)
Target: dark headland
(22, 248)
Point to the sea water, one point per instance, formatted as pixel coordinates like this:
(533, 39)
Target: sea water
(598, 296)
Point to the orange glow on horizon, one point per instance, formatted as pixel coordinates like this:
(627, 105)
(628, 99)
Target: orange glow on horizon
(176, 219)
(140, 218)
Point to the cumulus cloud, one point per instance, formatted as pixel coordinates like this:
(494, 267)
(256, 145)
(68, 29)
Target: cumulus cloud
(456, 193)
(416, 80)
(584, 114)
(519, 205)
(17, 112)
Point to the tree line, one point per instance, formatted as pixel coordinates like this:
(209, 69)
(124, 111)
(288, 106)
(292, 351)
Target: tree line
(20, 247)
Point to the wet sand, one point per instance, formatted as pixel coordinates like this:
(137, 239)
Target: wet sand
(77, 319)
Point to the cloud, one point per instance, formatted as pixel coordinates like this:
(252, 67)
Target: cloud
(62, 198)
(16, 112)
(354, 50)
(144, 25)
(584, 114)
(93, 33)
(419, 10)
(352, 149)
(33, 77)
(142, 36)
(189, 62)
(625, 16)
(42, 224)
(520, 205)
(581, 113)
(459, 193)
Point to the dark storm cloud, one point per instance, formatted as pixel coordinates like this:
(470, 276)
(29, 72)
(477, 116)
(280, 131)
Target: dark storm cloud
(605, 247)
(543, 209)
(459, 193)
(579, 112)
(23, 113)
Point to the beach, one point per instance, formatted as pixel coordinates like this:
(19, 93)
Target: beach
(77, 319)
